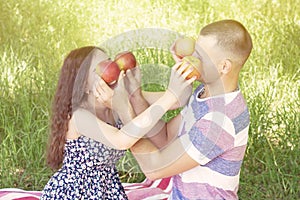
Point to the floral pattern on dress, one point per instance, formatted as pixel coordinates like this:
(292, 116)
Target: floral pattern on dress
(88, 172)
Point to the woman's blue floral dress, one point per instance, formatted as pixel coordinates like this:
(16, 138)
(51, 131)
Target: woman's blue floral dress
(88, 172)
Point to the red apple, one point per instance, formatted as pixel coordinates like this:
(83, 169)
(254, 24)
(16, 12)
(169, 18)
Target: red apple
(184, 47)
(109, 71)
(125, 60)
(193, 62)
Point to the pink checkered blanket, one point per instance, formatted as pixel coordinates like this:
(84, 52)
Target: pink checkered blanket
(146, 190)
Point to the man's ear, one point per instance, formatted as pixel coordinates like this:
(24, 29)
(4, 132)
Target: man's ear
(226, 66)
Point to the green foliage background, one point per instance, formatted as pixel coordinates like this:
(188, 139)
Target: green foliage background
(35, 36)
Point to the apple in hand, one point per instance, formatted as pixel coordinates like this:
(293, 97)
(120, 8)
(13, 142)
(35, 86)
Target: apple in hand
(125, 60)
(192, 62)
(184, 47)
(109, 71)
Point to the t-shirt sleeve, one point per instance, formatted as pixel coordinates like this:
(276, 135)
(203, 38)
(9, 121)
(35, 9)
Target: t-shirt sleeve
(209, 137)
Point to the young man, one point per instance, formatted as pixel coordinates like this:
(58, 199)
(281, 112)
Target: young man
(204, 146)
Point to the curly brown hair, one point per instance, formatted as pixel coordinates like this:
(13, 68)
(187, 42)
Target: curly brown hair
(67, 99)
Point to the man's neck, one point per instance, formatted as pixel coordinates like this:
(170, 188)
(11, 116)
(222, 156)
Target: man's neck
(219, 88)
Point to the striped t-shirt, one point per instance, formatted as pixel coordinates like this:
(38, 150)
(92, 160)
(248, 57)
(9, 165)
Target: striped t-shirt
(214, 132)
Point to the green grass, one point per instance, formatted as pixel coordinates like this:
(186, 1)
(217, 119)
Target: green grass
(36, 35)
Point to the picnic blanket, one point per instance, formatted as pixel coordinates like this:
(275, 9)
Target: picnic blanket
(146, 190)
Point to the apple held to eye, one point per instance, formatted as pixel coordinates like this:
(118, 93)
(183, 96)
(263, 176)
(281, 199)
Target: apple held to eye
(193, 62)
(184, 47)
(109, 71)
(125, 60)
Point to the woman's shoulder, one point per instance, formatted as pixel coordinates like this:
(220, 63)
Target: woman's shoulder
(72, 130)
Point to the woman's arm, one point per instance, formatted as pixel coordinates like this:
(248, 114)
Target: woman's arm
(89, 125)
(151, 97)
(160, 163)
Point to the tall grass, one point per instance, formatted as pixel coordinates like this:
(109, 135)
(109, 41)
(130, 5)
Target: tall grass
(35, 36)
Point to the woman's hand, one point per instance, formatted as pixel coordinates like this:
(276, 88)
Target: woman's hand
(178, 85)
(103, 92)
(114, 98)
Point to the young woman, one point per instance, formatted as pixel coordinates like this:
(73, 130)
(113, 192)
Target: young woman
(86, 167)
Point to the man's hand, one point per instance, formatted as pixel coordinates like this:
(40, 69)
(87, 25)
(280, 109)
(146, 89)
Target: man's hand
(133, 81)
(175, 57)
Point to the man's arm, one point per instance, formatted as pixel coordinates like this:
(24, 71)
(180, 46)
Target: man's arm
(141, 100)
(158, 134)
